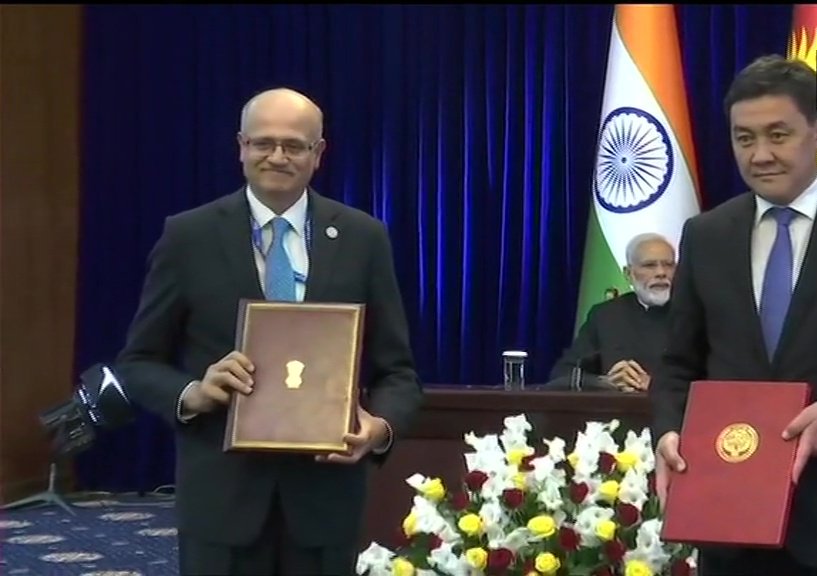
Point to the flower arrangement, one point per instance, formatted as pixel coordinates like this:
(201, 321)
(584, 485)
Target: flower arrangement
(589, 511)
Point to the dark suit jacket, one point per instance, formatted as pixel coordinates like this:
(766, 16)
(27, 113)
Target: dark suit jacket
(615, 330)
(715, 333)
(200, 268)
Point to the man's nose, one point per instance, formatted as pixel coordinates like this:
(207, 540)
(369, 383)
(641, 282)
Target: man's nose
(762, 153)
(277, 156)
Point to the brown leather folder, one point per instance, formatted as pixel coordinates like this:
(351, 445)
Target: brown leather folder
(307, 364)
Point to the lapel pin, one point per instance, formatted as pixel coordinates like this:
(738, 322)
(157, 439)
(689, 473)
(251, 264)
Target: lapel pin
(332, 232)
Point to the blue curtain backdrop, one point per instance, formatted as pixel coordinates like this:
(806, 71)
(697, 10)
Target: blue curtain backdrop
(469, 130)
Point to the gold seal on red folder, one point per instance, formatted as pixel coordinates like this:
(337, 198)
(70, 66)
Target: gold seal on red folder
(737, 442)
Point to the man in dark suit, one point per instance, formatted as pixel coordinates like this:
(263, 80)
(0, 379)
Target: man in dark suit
(743, 301)
(242, 514)
(621, 341)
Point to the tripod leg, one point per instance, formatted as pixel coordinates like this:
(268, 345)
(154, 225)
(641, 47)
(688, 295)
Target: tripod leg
(50, 496)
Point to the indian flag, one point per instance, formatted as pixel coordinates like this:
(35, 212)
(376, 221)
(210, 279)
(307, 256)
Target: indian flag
(803, 40)
(645, 178)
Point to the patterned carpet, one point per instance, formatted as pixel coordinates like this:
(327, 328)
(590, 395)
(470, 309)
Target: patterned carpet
(110, 535)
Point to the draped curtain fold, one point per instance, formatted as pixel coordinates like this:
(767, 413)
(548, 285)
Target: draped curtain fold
(470, 130)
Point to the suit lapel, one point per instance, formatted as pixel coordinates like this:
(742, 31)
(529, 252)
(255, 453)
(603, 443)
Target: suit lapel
(743, 221)
(805, 291)
(327, 234)
(236, 239)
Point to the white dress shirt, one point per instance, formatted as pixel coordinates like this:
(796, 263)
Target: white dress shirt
(765, 230)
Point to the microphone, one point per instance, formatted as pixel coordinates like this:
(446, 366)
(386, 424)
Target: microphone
(579, 380)
(577, 373)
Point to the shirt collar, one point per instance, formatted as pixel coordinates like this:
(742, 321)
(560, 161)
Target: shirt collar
(805, 204)
(295, 214)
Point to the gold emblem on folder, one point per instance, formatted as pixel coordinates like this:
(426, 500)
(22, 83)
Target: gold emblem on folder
(294, 370)
(737, 442)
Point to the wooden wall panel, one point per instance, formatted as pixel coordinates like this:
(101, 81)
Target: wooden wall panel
(40, 50)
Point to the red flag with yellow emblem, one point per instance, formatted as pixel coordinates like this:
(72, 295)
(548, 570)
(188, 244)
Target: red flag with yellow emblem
(803, 38)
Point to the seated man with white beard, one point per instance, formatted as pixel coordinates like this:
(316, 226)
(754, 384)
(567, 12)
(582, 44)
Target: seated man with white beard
(623, 338)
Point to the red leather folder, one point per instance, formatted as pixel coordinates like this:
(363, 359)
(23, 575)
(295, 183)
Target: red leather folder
(737, 487)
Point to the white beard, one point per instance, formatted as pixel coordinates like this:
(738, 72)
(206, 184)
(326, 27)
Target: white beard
(652, 296)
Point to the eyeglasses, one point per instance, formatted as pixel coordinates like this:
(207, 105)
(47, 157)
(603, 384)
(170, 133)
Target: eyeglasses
(290, 148)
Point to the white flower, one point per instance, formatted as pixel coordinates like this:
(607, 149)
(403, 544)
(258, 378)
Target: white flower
(641, 447)
(543, 468)
(649, 548)
(429, 520)
(513, 540)
(515, 435)
(495, 519)
(550, 496)
(586, 522)
(594, 440)
(375, 560)
(488, 455)
(556, 449)
(484, 444)
(633, 488)
(444, 559)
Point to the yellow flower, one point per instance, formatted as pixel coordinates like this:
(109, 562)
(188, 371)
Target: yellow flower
(471, 524)
(573, 459)
(547, 563)
(609, 490)
(402, 567)
(520, 480)
(477, 557)
(433, 489)
(606, 530)
(410, 524)
(637, 568)
(542, 525)
(626, 460)
(515, 455)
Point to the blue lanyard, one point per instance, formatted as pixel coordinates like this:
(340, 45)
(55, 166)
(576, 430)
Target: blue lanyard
(258, 241)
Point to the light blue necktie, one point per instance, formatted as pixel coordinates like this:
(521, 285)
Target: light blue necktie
(777, 280)
(279, 278)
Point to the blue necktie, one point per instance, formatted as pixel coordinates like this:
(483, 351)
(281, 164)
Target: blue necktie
(279, 278)
(777, 280)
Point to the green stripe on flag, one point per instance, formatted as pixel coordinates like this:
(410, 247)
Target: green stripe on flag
(600, 271)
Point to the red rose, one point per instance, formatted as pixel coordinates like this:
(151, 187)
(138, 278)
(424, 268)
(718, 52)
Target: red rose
(475, 479)
(513, 497)
(499, 560)
(526, 465)
(627, 514)
(578, 492)
(400, 539)
(434, 541)
(568, 539)
(607, 462)
(603, 571)
(460, 501)
(680, 568)
(615, 550)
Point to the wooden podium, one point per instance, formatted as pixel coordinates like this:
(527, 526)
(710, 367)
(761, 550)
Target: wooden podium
(435, 445)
